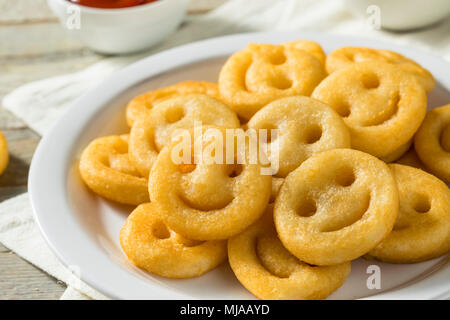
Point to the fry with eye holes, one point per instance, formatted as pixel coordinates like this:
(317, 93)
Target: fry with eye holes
(361, 169)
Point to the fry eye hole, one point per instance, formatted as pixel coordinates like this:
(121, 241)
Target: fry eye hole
(313, 134)
(235, 170)
(422, 204)
(160, 231)
(278, 58)
(307, 208)
(281, 82)
(370, 81)
(345, 177)
(174, 114)
(343, 109)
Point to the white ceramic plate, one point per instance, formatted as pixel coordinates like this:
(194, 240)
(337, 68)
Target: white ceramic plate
(83, 229)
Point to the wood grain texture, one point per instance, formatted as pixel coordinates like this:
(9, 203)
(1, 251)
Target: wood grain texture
(21, 280)
(33, 47)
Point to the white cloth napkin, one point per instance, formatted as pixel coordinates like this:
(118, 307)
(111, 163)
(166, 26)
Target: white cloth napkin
(40, 103)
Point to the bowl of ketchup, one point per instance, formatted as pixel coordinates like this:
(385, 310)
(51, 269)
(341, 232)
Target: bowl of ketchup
(119, 26)
(111, 4)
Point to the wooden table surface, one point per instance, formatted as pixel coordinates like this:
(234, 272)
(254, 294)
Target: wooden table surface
(34, 46)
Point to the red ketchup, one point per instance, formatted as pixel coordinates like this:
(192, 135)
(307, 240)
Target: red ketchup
(111, 4)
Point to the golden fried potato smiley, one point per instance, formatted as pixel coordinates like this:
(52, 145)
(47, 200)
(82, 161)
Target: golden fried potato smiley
(208, 199)
(269, 271)
(432, 142)
(107, 170)
(422, 229)
(152, 246)
(142, 104)
(261, 73)
(382, 105)
(4, 155)
(337, 206)
(305, 127)
(150, 134)
(343, 57)
(311, 47)
(281, 167)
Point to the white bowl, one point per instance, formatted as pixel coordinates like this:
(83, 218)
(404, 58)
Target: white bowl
(83, 229)
(403, 14)
(120, 31)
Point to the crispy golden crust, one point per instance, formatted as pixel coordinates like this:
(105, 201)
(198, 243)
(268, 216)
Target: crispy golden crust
(432, 142)
(305, 127)
(397, 154)
(276, 186)
(382, 105)
(337, 206)
(4, 155)
(311, 47)
(269, 271)
(422, 228)
(206, 201)
(107, 170)
(343, 57)
(152, 246)
(149, 135)
(142, 104)
(261, 73)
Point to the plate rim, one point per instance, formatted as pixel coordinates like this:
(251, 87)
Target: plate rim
(43, 200)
